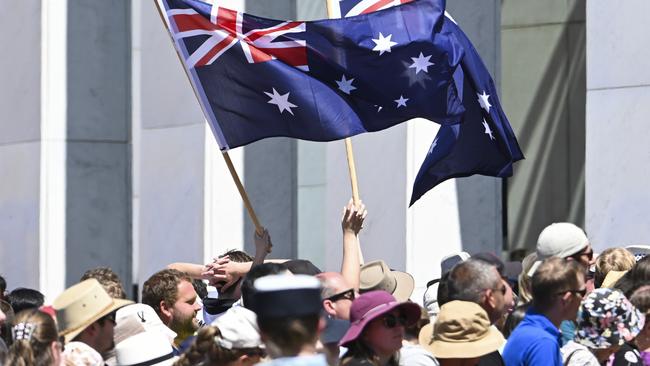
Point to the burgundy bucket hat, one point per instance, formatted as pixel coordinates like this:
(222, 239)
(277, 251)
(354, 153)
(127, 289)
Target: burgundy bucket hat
(372, 305)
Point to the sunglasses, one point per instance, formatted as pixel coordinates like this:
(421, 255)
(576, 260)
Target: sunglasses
(110, 317)
(582, 292)
(391, 321)
(347, 295)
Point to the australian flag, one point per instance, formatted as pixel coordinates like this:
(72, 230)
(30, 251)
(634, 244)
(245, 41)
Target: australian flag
(484, 143)
(319, 80)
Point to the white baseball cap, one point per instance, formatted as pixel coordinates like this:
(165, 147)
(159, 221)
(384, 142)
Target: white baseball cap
(561, 239)
(238, 327)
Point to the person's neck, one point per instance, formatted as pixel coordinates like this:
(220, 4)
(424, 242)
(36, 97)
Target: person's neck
(553, 316)
(307, 350)
(384, 359)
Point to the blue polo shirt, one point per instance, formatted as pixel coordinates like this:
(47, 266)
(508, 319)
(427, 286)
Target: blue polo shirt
(535, 342)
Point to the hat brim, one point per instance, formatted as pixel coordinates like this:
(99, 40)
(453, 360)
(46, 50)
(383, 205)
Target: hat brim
(411, 310)
(117, 303)
(470, 349)
(404, 285)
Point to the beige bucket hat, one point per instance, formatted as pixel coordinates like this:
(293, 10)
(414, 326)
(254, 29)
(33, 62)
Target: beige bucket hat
(377, 275)
(462, 330)
(81, 305)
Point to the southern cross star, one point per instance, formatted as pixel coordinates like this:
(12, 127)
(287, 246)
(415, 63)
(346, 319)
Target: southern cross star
(488, 131)
(345, 85)
(383, 44)
(401, 102)
(281, 100)
(484, 102)
(421, 63)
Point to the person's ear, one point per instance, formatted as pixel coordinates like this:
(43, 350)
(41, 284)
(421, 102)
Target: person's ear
(489, 298)
(328, 305)
(165, 312)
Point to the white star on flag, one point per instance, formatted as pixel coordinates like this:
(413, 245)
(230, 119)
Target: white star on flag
(484, 102)
(345, 85)
(401, 102)
(433, 145)
(421, 63)
(281, 100)
(488, 131)
(379, 108)
(383, 44)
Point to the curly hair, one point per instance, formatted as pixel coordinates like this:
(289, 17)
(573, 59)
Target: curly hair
(35, 350)
(109, 280)
(163, 286)
(205, 351)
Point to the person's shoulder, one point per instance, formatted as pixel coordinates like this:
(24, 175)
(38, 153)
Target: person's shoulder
(415, 355)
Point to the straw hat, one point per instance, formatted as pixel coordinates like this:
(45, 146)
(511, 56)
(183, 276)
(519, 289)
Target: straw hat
(462, 330)
(377, 275)
(81, 305)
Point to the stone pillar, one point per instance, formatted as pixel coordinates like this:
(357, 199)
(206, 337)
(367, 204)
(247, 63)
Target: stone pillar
(21, 144)
(98, 177)
(618, 102)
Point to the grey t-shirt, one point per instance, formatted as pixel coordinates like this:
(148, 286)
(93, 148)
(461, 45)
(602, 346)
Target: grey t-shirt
(415, 355)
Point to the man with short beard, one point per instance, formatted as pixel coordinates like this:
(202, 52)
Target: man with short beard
(171, 294)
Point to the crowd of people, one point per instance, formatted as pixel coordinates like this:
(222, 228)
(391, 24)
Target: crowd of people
(560, 305)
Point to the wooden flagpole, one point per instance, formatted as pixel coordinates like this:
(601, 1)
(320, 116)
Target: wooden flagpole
(333, 11)
(231, 168)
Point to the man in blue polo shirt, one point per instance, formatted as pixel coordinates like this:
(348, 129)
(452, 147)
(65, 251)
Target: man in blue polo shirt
(558, 286)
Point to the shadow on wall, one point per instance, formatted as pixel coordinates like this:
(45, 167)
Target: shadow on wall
(549, 185)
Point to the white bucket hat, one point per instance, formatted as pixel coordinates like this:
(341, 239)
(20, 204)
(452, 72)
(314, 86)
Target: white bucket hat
(146, 348)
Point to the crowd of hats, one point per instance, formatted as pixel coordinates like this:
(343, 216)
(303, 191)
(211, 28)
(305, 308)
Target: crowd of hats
(610, 315)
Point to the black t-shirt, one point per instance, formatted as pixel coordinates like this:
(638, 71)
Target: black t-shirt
(628, 355)
(491, 359)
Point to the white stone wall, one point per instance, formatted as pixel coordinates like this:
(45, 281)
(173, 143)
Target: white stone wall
(618, 104)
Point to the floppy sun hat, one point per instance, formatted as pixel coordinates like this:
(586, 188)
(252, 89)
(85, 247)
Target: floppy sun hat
(462, 330)
(376, 275)
(372, 305)
(607, 318)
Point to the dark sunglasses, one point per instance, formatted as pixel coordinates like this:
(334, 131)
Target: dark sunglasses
(255, 352)
(589, 254)
(391, 321)
(582, 292)
(347, 295)
(110, 317)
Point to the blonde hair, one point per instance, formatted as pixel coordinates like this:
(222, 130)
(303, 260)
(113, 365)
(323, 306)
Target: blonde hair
(612, 259)
(34, 331)
(524, 280)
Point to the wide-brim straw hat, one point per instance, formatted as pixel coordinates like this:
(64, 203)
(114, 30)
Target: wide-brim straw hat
(462, 330)
(376, 275)
(81, 305)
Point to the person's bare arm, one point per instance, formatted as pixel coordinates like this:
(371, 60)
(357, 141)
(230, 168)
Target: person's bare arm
(193, 270)
(352, 223)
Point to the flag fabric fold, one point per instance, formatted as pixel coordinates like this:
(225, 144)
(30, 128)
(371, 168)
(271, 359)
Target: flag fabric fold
(484, 143)
(318, 80)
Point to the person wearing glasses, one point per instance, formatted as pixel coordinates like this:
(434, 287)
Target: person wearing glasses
(377, 328)
(558, 286)
(478, 280)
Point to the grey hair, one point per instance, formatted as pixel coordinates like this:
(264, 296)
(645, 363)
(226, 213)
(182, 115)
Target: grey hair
(469, 279)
